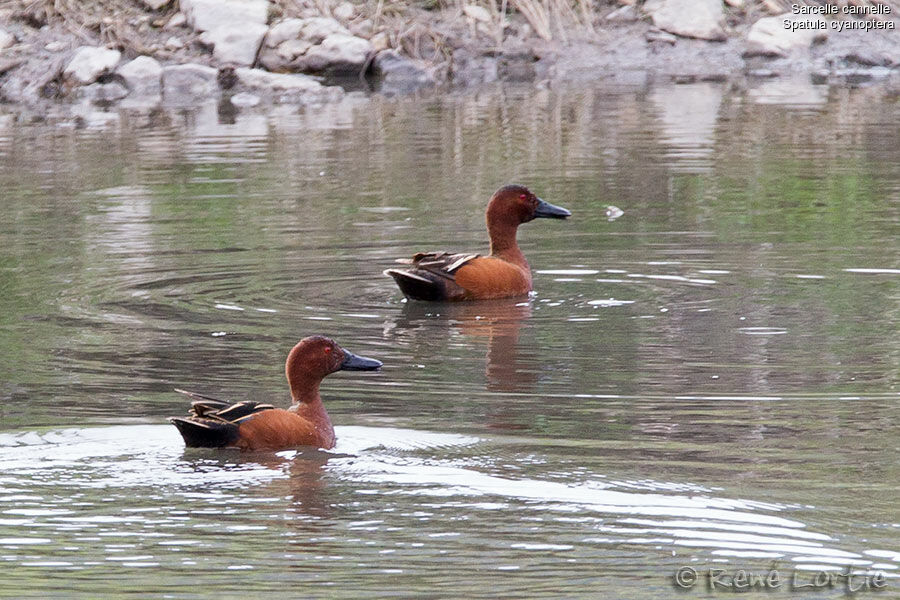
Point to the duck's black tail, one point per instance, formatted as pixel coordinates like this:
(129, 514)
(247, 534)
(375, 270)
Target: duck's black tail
(214, 423)
(419, 285)
(205, 433)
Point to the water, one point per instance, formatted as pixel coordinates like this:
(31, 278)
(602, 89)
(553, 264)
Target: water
(708, 380)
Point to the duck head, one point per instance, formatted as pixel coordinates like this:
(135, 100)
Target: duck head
(316, 357)
(516, 204)
(512, 205)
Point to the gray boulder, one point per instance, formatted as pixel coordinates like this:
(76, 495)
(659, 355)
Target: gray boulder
(143, 76)
(236, 44)
(233, 28)
(103, 92)
(314, 45)
(689, 18)
(6, 39)
(260, 79)
(769, 36)
(209, 15)
(398, 74)
(189, 82)
(89, 62)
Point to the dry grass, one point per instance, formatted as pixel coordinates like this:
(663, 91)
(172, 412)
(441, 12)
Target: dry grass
(120, 23)
(418, 27)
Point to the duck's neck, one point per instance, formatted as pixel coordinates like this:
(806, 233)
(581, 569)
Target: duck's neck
(306, 391)
(504, 245)
(308, 404)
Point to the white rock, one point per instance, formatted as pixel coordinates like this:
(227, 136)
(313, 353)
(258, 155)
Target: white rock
(689, 18)
(623, 13)
(380, 41)
(189, 81)
(282, 31)
(143, 76)
(245, 99)
(90, 62)
(313, 44)
(291, 49)
(770, 36)
(6, 39)
(236, 44)
(258, 78)
(315, 30)
(155, 4)
(343, 11)
(177, 20)
(209, 15)
(174, 43)
(735, 3)
(477, 13)
(103, 92)
(338, 51)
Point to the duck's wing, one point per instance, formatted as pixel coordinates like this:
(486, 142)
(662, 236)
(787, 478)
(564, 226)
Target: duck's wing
(214, 423)
(431, 275)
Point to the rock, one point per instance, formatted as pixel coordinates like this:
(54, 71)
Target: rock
(284, 30)
(399, 75)
(315, 45)
(343, 11)
(769, 37)
(735, 3)
(209, 15)
(286, 87)
(260, 79)
(291, 49)
(362, 28)
(688, 18)
(245, 100)
(623, 13)
(155, 4)
(174, 43)
(516, 65)
(143, 76)
(477, 13)
(190, 81)
(315, 30)
(6, 39)
(469, 70)
(103, 92)
(655, 35)
(89, 63)
(177, 20)
(236, 44)
(380, 41)
(337, 53)
(868, 57)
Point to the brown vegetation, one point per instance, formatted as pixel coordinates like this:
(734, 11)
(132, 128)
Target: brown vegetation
(419, 28)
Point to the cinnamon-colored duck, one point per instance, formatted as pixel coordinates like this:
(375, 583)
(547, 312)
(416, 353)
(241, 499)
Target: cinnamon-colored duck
(505, 273)
(256, 426)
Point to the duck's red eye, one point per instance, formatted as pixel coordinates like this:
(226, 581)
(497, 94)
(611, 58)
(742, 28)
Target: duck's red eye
(522, 196)
(327, 350)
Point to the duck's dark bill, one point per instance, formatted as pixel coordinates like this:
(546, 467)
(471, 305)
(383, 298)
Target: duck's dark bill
(352, 362)
(550, 211)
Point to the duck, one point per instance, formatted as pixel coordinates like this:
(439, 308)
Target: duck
(504, 273)
(257, 426)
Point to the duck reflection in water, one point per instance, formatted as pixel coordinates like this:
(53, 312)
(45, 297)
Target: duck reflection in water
(496, 322)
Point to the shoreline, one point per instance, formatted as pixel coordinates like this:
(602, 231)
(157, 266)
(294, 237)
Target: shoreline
(259, 52)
